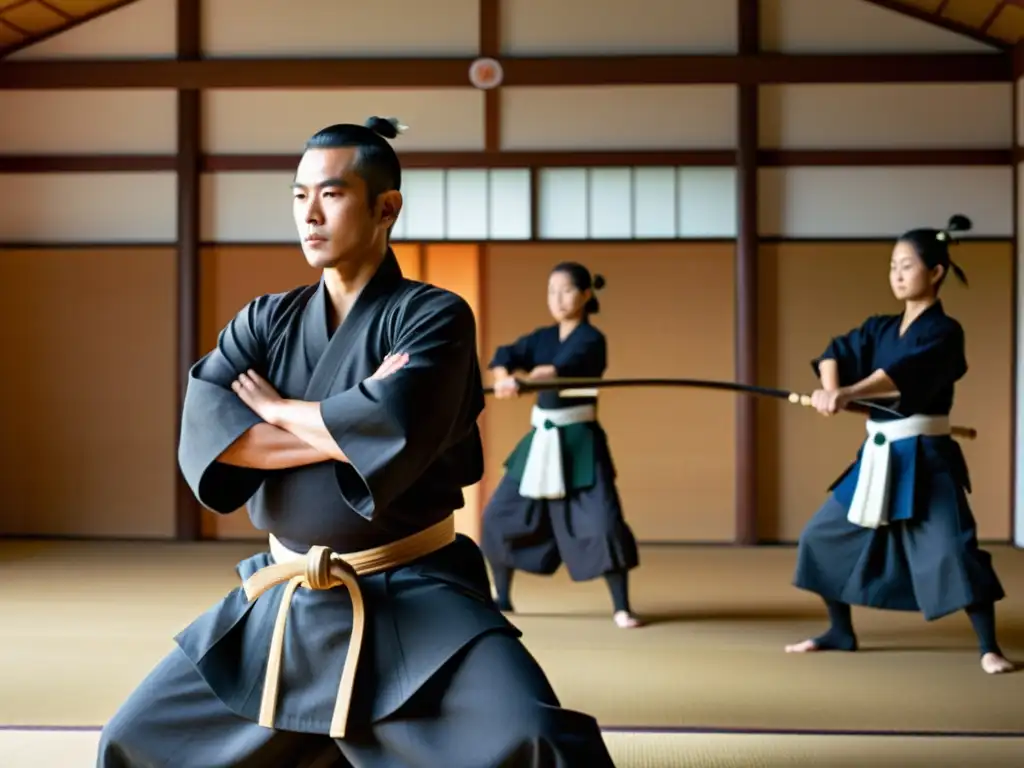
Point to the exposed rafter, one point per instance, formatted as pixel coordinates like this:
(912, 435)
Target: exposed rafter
(999, 23)
(27, 22)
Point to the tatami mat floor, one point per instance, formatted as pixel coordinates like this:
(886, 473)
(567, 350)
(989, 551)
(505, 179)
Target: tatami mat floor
(49, 749)
(83, 622)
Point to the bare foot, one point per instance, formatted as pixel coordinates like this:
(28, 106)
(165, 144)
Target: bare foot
(626, 620)
(995, 664)
(807, 646)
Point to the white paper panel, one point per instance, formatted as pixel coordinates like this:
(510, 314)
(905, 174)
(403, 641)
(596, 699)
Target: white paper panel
(83, 122)
(510, 204)
(144, 29)
(562, 203)
(423, 210)
(619, 117)
(247, 207)
(852, 26)
(280, 121)
(707, 202)
(328, 28)
(466, 204)
(1018, 506)
(611, 203)
(608, 27)
(663, 203)
(883, 116)
(91, 208)
(655, 212)
(882, 202)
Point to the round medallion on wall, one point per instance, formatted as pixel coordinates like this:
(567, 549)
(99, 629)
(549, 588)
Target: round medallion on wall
(485, 74)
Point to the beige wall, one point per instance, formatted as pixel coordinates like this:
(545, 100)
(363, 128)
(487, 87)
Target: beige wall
(88, 390)
(89, 422)
(78, 316)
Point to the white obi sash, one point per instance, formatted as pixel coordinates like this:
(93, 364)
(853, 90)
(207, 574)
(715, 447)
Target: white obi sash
(544, 474)
(869, 507)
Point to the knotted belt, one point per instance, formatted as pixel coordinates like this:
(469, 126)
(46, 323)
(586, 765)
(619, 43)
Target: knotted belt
(544, 474)
(321, 568)
(869, 507)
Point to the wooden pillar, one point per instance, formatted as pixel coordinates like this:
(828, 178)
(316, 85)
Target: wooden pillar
(745, 343)
(490, 47)
(188, 518)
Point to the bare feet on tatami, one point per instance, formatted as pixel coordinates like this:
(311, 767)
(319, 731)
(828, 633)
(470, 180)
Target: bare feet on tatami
(807, 646)
(626, 620)
(992, 663)
(622, 619)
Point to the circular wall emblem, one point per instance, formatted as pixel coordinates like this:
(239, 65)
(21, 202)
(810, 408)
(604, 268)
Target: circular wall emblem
(485, 73)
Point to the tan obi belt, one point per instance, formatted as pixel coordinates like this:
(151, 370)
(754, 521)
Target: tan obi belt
(321, 568)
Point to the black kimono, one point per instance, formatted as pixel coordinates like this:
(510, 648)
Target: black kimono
(926, 558)
(582, 525)
(443, 679)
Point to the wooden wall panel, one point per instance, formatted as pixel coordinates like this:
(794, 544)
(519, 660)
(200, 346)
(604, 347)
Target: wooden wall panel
(813, 291)
(886, 116)
(231, 277)
(264, 120)
(330, 28)
(614, 27)
(667, 311)
(87, 402)
(637, 117)
(105, 207)
(871, 202)
(88, 121)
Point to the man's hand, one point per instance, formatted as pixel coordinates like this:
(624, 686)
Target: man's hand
(829, 401)
(506, 388)
(392, 363)
(256, 393)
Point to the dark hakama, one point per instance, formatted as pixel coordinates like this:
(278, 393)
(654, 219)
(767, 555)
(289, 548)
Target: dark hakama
(585, 529)
(443, 679)
(927, 557)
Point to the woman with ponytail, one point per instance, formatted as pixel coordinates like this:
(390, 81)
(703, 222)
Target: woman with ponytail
(557, 501)
(897, 531)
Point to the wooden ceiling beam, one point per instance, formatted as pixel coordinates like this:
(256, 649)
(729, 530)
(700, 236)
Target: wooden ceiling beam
(766, 158)
(753, 69)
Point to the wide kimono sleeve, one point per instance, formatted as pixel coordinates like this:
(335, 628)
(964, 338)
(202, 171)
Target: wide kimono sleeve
(517, 356)
(392, 429)
(214, 417)
(852, 353)
(581, 356)
(937, 360)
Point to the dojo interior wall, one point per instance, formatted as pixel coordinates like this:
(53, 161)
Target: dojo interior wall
(103, 428)
(87, 394)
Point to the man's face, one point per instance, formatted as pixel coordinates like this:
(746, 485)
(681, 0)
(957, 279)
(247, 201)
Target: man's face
(335, 221)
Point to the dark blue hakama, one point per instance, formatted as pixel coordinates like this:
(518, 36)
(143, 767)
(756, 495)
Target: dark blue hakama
(927, 557)
(585, 529)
